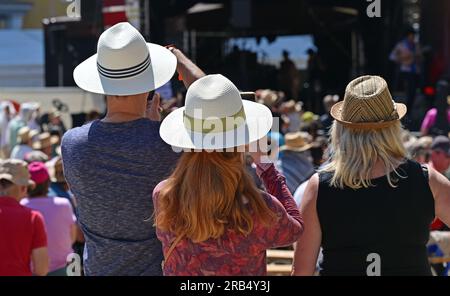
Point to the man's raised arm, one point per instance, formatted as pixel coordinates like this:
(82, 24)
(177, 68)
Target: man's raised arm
(189, 71)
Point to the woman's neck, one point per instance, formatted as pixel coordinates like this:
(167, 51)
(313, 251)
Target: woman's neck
(378, 170)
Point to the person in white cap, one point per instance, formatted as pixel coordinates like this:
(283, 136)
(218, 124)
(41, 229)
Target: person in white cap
(112, 165)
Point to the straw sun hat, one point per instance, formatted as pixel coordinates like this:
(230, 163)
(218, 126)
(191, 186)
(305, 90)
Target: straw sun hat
(368, 104)
(215, 117)
(298, 142)
(45, 140)
(125, 64)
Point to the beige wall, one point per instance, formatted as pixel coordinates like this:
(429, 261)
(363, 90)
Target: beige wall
(43, 9)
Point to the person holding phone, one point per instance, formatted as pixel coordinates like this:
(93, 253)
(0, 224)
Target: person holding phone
(112, 165)
(209, 215)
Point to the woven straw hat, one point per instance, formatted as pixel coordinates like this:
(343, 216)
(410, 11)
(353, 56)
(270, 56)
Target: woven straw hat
(298, 141)
(368, 104)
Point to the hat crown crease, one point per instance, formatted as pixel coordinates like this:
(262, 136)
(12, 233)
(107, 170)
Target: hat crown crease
(121, 47)
(368, 99)
(213, 96)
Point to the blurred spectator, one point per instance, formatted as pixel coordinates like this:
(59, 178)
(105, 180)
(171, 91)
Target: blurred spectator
(309, 117)
(408, 140)
(440, 154)
(289, 77)
(426, 142)
(419, 149)
(269, 98)
(18, 249)
(311, 124)
(19, 121)
(295, 162)
(429, 122)
(418, 152)
(45, 144)
(326, 120)
(34, 122)
(36, 156)
(7, 112)
(407, 55)
(60, 221)
(56, 125)
(58, 185)
(293, 111)
(24, 143)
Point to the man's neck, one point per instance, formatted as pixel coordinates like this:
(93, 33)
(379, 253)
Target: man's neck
(125, 109)
(122, 116)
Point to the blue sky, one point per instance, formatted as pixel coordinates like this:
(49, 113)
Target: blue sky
(296, 45)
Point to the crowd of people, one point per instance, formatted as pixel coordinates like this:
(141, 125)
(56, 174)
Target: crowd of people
(39, 218)
(346, 183)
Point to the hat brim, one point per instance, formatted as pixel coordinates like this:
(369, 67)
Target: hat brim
(53, 140)
(336, 113)
(296, 149)
(258, 124)
(10, 178)
(161, 70)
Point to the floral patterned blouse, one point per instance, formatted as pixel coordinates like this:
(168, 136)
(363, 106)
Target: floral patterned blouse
(236, 254)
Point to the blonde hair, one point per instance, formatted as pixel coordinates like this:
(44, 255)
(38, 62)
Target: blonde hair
(208, 193)
(354, 152)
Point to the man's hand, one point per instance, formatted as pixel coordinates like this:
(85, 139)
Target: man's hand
(189, 71)
(154, 109)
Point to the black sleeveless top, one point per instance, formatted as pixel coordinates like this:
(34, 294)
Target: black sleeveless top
(391, 222)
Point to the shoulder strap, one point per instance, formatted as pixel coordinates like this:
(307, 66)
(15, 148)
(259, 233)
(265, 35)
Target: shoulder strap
(419, 170)
(425, 171)
(172, 248)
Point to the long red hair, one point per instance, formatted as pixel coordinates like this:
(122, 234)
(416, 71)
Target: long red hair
(208, 193)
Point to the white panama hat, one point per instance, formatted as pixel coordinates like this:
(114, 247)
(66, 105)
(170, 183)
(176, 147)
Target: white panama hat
(125, 64)
(215, 117)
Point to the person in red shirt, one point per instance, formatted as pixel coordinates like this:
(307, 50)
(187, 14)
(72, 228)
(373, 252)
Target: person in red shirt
(23, 239)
